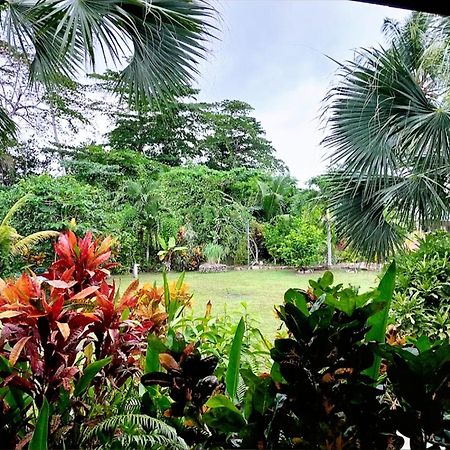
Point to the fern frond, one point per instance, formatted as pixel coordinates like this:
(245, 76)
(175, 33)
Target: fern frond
(24, 244)
(14, 208)
(136, 431)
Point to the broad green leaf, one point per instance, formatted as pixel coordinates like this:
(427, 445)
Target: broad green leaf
(154, 348)
(378, 321)
(90, 372)
(232, 374)
(298, 298)
(40, 434)
(223, 415)
(221, 401)
(326, 280)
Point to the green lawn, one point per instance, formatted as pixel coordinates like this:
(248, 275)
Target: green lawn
(259, 290)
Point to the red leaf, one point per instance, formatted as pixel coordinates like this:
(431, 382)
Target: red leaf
(100, 259)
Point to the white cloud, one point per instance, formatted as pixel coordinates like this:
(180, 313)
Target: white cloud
(292, 124)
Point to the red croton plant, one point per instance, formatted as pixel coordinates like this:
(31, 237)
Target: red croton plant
(55, 325)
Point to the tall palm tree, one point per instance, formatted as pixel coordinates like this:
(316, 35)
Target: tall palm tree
(158, 41)
(271, 199)
(388, 123)
(11, 242)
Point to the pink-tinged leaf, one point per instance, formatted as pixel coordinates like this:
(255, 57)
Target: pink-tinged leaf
(64, 329)
(90, 272)
(106, 272)
(2, 284)
(17, 350)
(10, 313)
(84, 293)
(60, 284)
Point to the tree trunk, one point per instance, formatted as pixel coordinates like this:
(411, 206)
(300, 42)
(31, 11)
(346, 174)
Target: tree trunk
(329, 244)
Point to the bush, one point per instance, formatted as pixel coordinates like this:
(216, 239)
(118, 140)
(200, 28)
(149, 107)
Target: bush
(299, 241)
(422, 293)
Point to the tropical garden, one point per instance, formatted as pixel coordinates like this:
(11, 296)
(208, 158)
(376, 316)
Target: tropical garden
(91, 357)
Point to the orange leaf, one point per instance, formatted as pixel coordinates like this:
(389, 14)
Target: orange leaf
(64, 329)
(168, 362)
(17, 350)
(84, 293)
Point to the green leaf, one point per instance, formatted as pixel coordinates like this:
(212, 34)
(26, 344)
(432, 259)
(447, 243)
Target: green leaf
(223, 415)
(232, 374)
(298, 298)
(378, 321)
(326, 280)
(40, 433)
(90, 372)
(180, 281)
(219, 401)
(154, 348)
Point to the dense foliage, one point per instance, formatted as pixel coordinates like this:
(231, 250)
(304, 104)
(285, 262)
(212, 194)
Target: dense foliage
(73, 350)
(422, 294)
(143, 203)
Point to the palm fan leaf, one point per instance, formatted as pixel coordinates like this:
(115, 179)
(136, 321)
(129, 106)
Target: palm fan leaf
(389, 135)
(25, 243)
(163, 40)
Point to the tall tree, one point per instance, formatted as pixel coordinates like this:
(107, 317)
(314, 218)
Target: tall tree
(220, 135)
(160, 40)
(389, 135)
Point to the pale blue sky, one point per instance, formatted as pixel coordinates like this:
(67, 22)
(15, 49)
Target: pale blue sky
(271, 54)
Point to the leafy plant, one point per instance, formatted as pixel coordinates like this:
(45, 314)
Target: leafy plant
(422, 290)
(70, 331)
(11, 242)
(169, 248)
(214, 253)
(296, 241)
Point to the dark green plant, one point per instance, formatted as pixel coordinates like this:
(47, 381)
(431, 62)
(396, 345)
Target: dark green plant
(420, 378)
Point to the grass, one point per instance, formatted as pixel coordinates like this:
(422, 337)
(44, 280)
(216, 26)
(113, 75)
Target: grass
(256, 291)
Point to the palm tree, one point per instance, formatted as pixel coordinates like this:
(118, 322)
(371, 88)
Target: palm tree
(158, 41)
(271, 199)
(11, 242)
(144, 198)
(388, 122)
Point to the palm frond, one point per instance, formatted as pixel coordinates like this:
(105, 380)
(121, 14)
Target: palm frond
(389, 135)
(163, 40)
(7, 128)
(25, 243)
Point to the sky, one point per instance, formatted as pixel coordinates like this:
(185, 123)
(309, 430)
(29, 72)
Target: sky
(277, 55)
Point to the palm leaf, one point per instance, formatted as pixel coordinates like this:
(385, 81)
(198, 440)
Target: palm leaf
(7, 128)
(25, 243)
(165, 40)
(389, 135)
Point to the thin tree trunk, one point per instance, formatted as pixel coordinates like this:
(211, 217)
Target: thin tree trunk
(329, 246)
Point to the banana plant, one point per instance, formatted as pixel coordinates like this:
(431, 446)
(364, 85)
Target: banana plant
(11, 242)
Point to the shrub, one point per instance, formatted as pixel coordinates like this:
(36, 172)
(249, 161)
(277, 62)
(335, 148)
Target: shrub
(299, 241)
(422, 293)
